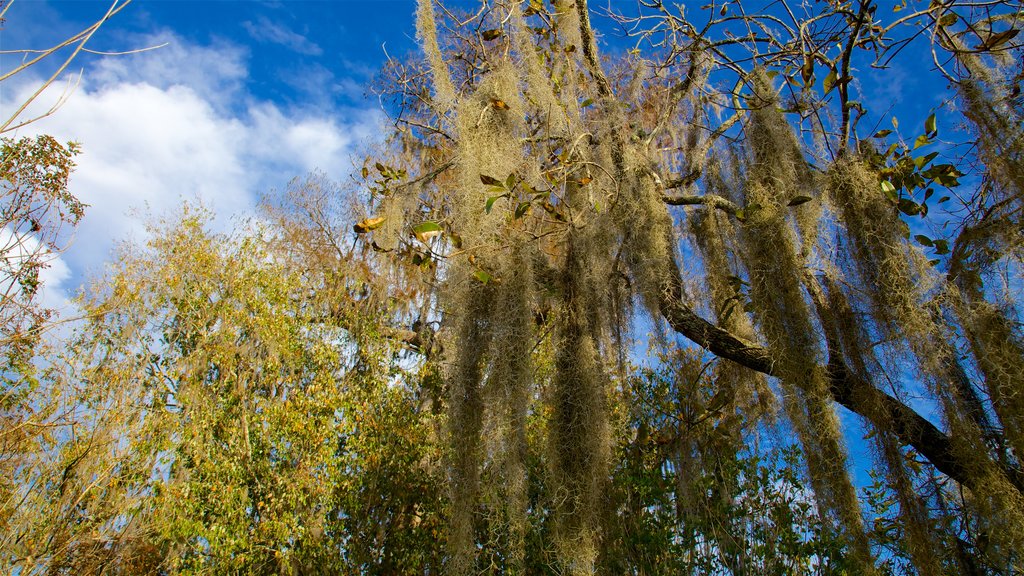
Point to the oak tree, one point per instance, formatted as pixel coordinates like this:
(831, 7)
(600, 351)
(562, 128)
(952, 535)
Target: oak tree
(718, 174)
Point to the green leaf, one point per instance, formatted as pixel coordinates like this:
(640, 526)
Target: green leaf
(587, 102)
(921, 140)
(941, 247)
(909, 207)
(483, 276)
(830, 81)
(426, 230)
(522, 209)
(889, 190)
(882, 133)
(491, 201)
(922, 161)
(491, 181)
(948, 19)
(492, 34)
(924, 240)
(798, 200)
(929, 126)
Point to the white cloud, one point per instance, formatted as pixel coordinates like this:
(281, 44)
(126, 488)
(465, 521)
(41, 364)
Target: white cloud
(266, 30)
(177, 124)
(217, 71)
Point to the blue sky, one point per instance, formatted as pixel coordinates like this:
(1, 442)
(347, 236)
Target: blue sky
(241, 98)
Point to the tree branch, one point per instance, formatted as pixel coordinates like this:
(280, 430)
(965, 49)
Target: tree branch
(847, 389)
(709, 200)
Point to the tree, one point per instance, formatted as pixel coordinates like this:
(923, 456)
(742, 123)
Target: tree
(230, 418)
(37, 212)
(539, 185)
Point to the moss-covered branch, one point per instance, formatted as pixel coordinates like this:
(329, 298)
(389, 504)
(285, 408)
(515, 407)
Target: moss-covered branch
(856, 395)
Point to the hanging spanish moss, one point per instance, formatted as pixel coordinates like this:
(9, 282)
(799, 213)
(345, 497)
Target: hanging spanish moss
(748, 389)
(488, 318)
(465, 410)
(580, 443)
(999, 352)
(567, 17)
(883, 258)
(775, 268)
(426, 31)
(507, 393)
(920, 536)
(647, 231)
(998, 125)
(847, 337)
(559, 119)
(879, 251)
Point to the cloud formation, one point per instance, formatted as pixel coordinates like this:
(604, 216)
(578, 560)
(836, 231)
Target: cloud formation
(178, 124)
(266, 30)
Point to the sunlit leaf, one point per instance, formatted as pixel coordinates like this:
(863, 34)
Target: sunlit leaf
(830, 81)
(368, 224)
(426, 230)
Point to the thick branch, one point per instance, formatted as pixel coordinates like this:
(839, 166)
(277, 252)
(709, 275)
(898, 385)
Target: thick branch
(855, 394)
(709, 200)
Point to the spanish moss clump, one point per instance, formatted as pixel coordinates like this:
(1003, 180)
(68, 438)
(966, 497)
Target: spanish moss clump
(580, 443)
(538, 80)
(999, 353)
(507, 394)
(647, 233)
(847, 337)
(426, 31)
(749, 389)
(470, 309)
(885, 260)
(769, 252)
(920, 536)
(489, 125)
(997, 505)
(492, 338)
(880, 254)
(998, 125)
(567, 16)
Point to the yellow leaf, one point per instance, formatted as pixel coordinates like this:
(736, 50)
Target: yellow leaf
(369, 224)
